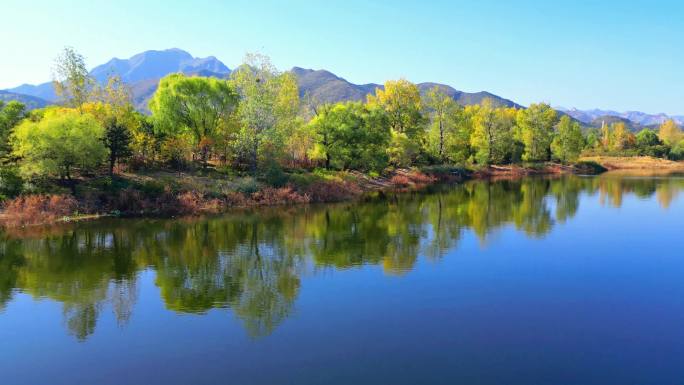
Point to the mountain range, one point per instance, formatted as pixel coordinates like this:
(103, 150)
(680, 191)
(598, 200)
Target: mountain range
(143, 71)
(29, 101)
(635, 118)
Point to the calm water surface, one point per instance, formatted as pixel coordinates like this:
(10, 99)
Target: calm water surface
(577, 280)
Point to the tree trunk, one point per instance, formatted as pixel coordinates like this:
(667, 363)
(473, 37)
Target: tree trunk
(441, 141)
(205, 157)
(255, 156)
(112, 162)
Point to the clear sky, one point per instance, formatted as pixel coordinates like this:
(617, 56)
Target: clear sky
(622, 55)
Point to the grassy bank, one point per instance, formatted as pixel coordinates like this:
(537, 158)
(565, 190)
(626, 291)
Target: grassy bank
(168, 193)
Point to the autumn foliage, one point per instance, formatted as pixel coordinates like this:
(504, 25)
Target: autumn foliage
(36, 209)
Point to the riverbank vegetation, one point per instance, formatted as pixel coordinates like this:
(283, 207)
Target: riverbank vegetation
(250, 139)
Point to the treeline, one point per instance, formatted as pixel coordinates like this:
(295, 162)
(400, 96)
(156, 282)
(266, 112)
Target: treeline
(616, 139)
(255, 123)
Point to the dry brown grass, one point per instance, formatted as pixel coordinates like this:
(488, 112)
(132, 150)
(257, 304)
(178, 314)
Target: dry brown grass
(635, 163)
(279, 196)
(403, 179)
(38, 209)
(332, 191)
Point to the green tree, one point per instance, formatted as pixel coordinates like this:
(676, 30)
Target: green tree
(269, 103)
(117, 139)
(592, 140)
(536, 131)
(72, 81)
(400, 99)
(568, 142)
(59, 142)
(677, 152)
(443, 112)
(10, 115)
(648, 143)
(146, 142)
(646, 138)
(492, 136)
(353, 136)
(199, 106)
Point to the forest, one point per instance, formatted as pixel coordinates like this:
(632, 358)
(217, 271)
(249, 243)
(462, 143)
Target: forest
(211, 141)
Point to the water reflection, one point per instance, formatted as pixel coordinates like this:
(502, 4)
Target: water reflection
(252, 263)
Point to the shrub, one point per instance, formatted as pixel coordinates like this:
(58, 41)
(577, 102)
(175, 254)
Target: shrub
(193, 203)
(236, 199)
(656, 151)
(400, 180)
(11, 184)
(129, 200)
(410, 178)
(247, 185)
(279, 196)
(418, 177)
(677, 152)
(152, 188)
(37, 209)
(590, 167)
(275, 176)
(332, 191)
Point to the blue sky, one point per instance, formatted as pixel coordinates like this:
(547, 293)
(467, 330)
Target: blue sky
(623, 55)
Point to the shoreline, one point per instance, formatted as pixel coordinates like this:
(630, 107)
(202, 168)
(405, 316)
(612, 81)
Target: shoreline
(347, 186)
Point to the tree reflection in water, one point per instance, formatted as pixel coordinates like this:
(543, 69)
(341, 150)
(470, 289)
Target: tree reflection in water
(251, 262)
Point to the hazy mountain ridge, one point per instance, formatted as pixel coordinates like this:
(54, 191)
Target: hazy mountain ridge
(143, 71)
(325, 87)
(638, 119)
(45, 91)
(31, 102)
(468, 98)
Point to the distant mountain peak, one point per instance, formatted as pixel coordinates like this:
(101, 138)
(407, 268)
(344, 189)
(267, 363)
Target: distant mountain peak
(142, 71)
(155, 64)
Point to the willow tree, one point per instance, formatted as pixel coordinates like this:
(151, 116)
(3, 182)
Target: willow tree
(198, 106)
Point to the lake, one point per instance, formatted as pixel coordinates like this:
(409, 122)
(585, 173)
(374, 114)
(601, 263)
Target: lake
(571, 280)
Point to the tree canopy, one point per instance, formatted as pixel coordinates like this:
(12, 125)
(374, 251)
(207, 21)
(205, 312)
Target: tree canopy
(59, 142)
(353, 136)
(200, 106)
